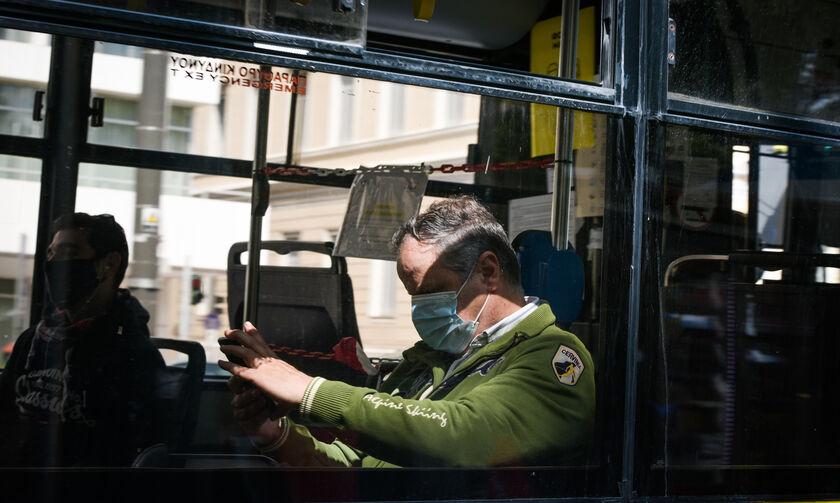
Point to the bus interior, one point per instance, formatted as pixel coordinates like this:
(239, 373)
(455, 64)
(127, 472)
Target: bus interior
(703, 207)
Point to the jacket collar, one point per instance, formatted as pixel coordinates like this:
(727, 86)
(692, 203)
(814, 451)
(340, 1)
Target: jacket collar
(535, 323)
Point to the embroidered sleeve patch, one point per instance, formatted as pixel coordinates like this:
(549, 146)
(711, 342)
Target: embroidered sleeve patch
(567, 365)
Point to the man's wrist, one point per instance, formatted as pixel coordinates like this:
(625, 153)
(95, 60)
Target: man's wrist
(279, 441)
(309, 395)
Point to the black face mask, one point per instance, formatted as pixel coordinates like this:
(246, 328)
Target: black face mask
(70, 281)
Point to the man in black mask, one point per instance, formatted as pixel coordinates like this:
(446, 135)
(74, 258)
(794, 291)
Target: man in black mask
(79, 388)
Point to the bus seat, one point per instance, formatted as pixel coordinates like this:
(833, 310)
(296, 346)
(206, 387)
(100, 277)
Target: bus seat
(179, 389)
(553, 275)
(309, 308)
(747, 357)
(303, 308)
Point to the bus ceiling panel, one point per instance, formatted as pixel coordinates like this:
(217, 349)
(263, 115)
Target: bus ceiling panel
(769, 132)
(482, 24)
(752, 117)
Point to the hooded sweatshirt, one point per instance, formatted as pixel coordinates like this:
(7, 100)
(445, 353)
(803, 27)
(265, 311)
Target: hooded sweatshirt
(82, 394)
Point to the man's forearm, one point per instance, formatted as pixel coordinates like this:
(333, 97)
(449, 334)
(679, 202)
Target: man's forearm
(300, 448)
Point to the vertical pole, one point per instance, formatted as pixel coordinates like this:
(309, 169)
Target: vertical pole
(184, 320)
(259, 204)
(290, 138)
(68, 105)
(752, 230)
(565, 130)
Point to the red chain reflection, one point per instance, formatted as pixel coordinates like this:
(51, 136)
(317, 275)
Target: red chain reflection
(443, 168)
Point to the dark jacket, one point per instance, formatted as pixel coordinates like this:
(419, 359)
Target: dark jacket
(82, 395)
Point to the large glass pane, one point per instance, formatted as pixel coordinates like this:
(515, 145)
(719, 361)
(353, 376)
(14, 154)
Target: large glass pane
(182, 226)
(24, 69)
(777, 55)
(20, 186)
(193, 235)
(348, 123)
(85, 386)
(184, 107)
(24, 59)
(745, 252)
(468, 143)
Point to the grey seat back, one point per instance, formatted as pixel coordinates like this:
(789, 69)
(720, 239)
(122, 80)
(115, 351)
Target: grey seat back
(309, 308)
(179, 390)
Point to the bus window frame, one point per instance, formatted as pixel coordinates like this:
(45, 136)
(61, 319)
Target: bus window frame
(637, 100)
(789, 481)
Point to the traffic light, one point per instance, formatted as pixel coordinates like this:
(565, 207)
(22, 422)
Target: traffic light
(196, 289)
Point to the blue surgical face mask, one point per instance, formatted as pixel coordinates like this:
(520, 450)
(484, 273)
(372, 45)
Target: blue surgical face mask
(436, 320)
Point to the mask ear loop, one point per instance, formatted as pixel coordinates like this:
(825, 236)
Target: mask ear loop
(487, 299)
(464, 283)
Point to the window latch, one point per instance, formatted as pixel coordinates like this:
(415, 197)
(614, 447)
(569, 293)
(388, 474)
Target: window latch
(38, 106)
(96, 112)
(672, 42)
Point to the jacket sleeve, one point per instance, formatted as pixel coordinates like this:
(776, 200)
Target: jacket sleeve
(301, 448)
(521, 414)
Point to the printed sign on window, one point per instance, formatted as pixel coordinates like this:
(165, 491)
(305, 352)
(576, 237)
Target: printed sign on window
(379, 203)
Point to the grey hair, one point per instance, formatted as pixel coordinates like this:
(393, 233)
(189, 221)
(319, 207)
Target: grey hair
(461, 229)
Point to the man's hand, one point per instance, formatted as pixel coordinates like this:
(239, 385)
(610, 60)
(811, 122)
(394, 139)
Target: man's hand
(279, 380)
(254, 412)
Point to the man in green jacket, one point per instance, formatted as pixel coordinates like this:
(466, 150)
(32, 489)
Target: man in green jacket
(506, 387)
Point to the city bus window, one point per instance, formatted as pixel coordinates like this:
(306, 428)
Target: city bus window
(187, 230)
(186, 246)
(777, 56)
(16, 111)
(25, 58)
(344, 123)
(157, 100)
(748, 277)
(20, 186)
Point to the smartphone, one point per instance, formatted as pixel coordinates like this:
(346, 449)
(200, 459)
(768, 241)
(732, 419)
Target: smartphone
(224, 341)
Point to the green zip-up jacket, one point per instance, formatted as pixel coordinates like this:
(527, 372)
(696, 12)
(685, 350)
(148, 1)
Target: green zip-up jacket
(526, 398)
